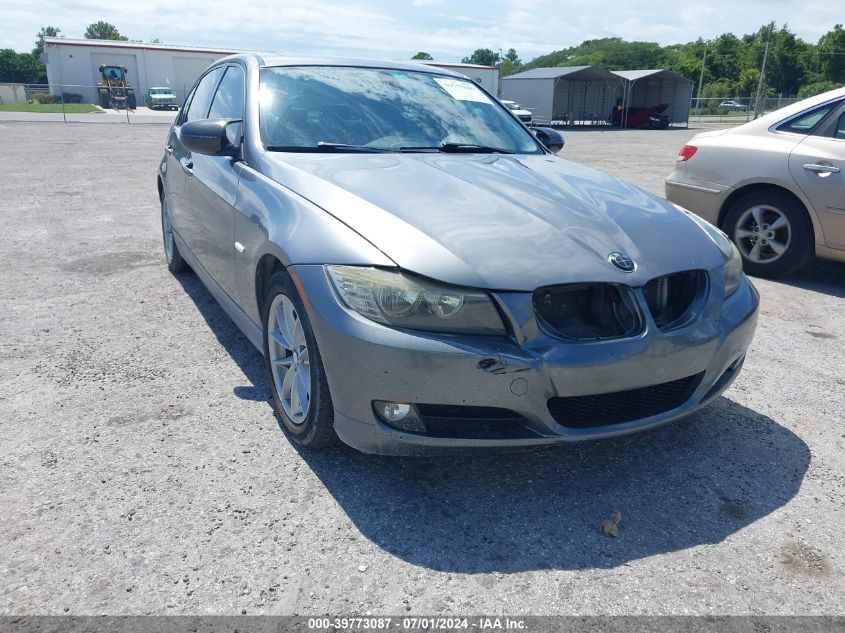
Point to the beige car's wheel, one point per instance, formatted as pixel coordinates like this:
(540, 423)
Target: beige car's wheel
(772, 232)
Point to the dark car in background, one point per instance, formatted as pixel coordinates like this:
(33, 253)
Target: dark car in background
(649, 118)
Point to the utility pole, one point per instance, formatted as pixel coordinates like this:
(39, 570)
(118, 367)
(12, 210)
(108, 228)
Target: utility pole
(701, 79)
(763, 70)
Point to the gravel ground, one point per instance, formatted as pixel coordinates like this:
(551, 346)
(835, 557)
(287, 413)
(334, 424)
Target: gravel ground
(143, 470)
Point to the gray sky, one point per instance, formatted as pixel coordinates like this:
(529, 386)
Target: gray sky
(448, 29)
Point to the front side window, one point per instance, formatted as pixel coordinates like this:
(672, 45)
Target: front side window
(228, 102)
(839, 132)
(304, 108)
(202, 96)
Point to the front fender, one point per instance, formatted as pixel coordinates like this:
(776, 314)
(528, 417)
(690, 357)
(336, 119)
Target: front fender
(274, 221)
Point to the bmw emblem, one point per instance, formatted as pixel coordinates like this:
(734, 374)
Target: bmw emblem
(622, 262)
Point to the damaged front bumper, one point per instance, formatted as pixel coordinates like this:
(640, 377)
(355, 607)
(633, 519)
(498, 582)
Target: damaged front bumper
(529, 374)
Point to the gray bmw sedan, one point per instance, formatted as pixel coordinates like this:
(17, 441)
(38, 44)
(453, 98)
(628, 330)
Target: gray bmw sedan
(422, 275)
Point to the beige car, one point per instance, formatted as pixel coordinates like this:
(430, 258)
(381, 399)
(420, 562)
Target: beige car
(775, 185)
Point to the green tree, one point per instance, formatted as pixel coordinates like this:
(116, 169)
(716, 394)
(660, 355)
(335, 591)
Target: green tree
(482, 57)
(512, 57)
(46, 31)
(811, 90)
(103, 31)
(423, 55)
(831, 55)
(18, 67)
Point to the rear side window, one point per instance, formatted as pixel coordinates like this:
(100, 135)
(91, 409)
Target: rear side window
(807, 122)
(229, 100)
(198, 107)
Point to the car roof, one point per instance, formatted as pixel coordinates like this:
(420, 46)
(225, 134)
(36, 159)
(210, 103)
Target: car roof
(767, 120)
(269, 59)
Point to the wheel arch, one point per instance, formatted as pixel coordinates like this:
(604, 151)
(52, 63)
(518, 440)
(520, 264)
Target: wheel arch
(267, 266)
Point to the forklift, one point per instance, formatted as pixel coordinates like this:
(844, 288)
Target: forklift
(114, 91)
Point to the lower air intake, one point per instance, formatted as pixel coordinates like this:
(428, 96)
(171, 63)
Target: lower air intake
(583, 412)
(467, 422)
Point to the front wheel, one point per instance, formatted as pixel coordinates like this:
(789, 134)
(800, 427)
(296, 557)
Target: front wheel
(772, 232)
(175, 262)
(292, 359)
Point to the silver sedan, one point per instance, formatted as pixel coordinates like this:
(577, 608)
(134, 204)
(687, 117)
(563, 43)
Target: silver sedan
(422, 274)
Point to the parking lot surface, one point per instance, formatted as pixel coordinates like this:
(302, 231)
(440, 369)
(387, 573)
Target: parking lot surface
(143, 470)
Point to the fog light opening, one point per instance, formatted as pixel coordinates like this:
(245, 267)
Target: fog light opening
(399, 416)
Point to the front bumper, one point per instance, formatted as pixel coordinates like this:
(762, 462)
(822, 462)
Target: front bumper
(365, 361)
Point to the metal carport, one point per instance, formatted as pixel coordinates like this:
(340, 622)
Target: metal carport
(568, 95)
(646, 88)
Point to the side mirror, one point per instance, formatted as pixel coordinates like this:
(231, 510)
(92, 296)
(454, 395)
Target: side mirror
(549, 137)
(209, 136)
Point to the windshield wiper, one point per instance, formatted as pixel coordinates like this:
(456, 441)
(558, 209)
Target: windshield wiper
(459, 148)
(323, 146)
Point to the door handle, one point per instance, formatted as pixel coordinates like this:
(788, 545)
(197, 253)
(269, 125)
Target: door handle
(168, 148)
(821, 169)
(188, 166)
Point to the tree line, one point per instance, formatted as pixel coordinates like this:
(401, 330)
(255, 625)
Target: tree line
(731, 64)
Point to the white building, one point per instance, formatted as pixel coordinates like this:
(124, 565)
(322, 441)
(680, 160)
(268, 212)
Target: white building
(74, 64)
(486, 76)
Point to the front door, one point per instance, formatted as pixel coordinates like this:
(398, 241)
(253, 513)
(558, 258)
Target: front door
(180, 166)
(214, 187)
(818, 166)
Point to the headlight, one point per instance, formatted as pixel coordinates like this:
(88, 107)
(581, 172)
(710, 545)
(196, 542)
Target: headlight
(395, 298)
(733, 271)
(733, 265)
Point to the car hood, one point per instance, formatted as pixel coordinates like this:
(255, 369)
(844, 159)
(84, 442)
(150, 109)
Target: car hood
(660, 108)
(498, 221)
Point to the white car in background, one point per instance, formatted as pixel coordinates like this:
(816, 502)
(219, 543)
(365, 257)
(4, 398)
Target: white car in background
(733, 105)
(526, 116)
(775, 185)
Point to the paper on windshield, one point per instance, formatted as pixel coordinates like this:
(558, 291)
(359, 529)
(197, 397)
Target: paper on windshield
(462, 90)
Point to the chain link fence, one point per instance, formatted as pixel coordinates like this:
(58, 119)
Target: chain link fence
(86, 103)
(734, 109)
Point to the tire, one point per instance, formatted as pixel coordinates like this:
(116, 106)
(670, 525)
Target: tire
(175, 263)
(780, 243)
(312, 428)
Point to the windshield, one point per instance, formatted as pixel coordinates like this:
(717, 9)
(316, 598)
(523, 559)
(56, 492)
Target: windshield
(159, 91)
(315, 107)
(512, 106)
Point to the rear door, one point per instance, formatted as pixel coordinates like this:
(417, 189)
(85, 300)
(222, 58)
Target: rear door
(214, 186)
(818, 166)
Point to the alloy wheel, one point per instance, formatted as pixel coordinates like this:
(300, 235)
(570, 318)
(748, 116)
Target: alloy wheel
(762, 234)
(289, 360)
